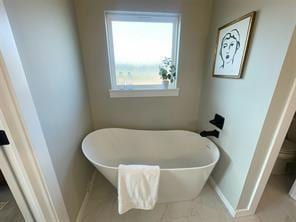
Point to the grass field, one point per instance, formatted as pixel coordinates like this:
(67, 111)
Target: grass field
(137, 74)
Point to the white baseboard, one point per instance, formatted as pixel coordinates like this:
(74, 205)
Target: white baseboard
(243, 213)
(225, 201)
(86, 197)
(233, 212)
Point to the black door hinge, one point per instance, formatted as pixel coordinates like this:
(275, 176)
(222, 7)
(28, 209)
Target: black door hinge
(3, 138)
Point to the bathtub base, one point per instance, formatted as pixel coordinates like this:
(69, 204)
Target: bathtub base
(174, 185)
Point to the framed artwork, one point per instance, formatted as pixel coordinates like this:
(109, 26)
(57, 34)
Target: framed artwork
(232, 46)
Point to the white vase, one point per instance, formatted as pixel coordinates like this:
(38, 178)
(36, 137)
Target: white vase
(165, 83)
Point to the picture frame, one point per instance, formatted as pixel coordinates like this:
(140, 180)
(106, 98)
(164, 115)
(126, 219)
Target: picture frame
(232, 45)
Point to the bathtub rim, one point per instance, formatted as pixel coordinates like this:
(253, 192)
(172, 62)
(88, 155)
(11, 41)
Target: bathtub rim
(161, 169)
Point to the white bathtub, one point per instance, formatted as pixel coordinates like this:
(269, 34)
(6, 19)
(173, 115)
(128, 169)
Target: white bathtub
(186, 159)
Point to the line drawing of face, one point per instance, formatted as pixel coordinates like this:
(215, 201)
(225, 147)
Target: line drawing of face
(229, 47)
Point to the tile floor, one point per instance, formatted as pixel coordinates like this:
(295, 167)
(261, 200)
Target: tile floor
(10, 211)
(275, 206)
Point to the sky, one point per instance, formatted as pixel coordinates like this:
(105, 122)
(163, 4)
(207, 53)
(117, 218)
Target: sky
(141, 42)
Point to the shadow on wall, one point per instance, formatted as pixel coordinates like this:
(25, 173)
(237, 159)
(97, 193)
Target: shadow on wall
(222, 165)
(190, 126)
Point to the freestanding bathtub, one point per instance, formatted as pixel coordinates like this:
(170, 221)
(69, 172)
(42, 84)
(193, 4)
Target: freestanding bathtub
(186, 159)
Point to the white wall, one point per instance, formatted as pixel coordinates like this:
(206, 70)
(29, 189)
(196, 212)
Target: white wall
(244, 103)
(279, 100)
(145, 113)
(46, 37)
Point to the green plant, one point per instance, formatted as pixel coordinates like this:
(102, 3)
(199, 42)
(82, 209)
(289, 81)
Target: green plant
(167, 70)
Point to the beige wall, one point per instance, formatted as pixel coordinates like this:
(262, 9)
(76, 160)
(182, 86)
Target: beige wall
(145, 113)
(279, 100)
(46, 37)
(245, 102)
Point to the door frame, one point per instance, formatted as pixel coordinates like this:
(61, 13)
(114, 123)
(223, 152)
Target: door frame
(14, 177)
(33, 168)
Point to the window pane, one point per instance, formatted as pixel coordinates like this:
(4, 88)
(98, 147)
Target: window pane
(139, 48)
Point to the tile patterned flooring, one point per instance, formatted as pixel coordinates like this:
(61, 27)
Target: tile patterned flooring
(275, 206)
(10, 212)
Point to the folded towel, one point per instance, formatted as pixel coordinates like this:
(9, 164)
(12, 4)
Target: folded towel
(137, 187)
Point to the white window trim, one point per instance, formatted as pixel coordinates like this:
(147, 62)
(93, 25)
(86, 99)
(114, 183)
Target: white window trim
(142, 91)
(120, 93)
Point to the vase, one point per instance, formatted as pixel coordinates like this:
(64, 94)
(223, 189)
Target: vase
(165, 83)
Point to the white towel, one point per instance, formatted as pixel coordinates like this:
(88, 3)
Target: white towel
(137, 187)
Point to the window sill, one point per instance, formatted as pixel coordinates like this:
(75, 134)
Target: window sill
(143, 93)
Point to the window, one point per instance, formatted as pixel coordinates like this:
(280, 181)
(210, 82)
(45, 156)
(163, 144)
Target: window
(138, 42)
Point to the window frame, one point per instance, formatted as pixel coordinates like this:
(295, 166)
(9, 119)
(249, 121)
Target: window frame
(156, 17)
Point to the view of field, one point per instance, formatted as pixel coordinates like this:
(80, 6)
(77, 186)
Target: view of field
(129, 74)
(139, 48)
